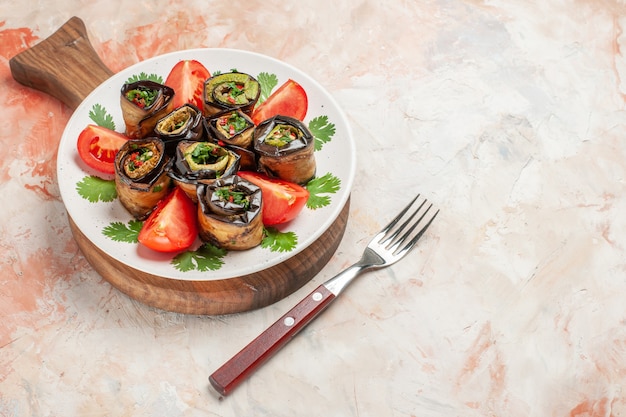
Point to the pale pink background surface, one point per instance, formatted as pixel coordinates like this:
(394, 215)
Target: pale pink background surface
(509, 115)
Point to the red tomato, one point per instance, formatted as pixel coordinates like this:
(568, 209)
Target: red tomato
(97, 147)
(289, 100)
(187, 79)
(172, 226)
(282, 200)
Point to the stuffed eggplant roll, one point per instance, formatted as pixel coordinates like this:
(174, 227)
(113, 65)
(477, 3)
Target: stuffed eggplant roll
(143, 104)
(201, 162)
(230, 91)
(285, 149)
(229, 213)
(140, 176)
(183, 123)
(234, 130)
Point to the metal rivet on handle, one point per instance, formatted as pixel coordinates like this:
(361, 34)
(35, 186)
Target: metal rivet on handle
(289, 321)
(317, 296)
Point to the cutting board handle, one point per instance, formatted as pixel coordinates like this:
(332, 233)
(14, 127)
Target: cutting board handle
(64, 65)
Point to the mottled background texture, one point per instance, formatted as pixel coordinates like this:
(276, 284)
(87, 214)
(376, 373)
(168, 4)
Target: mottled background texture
(509, 115)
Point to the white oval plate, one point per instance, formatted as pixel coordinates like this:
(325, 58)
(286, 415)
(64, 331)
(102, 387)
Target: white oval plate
(337, 157)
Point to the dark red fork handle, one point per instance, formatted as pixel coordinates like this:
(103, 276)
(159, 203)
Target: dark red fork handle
(251, 357)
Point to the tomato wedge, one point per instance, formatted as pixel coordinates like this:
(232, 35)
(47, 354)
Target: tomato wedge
(282, 200)
(97, 147)
(289, 100)
(172, 226)
(187, 79)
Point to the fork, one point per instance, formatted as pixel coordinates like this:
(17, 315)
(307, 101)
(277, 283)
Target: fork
(390, 245)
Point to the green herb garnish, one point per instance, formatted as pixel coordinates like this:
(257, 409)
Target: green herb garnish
(322, 130)
(138, 158)
(96, 189)
(233, 123)
(142, 97)
(206, 258)
(101, 117)
(145, 77)
(319, 187)
(282, 135)
(267, 82)
(205, 154)
(278, 241)
(236, 197)
(235, 90)
(121, 232)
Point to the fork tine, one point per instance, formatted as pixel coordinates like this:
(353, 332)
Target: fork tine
(399, 240)
(394, 221)
(419, 234)
(394, 240)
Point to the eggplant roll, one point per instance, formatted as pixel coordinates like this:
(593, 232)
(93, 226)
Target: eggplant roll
(230, 91)
(140, 176)
(201, 162)
(229, 213)
(183, 123)
(232, 128)
(143, 104)
(235, 131)
(285, 149)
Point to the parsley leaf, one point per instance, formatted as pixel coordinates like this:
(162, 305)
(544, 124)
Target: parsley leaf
(318, 188)
(278, 241)
(206, 258)
(96, 189)
(145, 77)
(322, 130)
(267, 82)
(101, 117)
(121, 232)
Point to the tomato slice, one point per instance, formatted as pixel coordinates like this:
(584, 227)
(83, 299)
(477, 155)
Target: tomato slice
(97, 147)
(187, 79)
(171, 226)
(289, 100)
(282, 200)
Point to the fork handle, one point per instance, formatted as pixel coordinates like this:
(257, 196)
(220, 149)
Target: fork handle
(251, 357)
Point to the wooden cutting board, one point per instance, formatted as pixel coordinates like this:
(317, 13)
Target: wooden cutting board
(66, 66)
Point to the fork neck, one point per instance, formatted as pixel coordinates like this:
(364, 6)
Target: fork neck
(340, 281)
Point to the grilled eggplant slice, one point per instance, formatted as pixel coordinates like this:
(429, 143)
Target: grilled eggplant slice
(183, 123)
(201, 162)
(285, 149)
(143, 104)
(140, 176)
(230, 91)
(230, 213)
(235, 131)
(232, 128)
